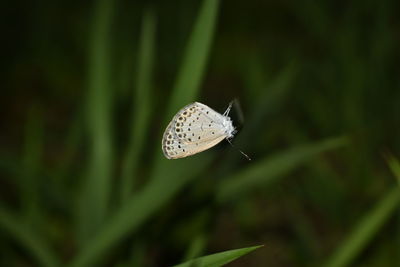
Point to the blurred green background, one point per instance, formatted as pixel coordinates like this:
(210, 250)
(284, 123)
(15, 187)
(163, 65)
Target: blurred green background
(89, 87)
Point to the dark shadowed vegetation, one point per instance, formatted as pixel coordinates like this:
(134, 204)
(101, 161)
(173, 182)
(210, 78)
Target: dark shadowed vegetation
(89, 87)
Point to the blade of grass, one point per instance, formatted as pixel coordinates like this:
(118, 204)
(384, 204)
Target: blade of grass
(268, 103)
(32, 155)
(140, 117)
(168, 176)
(271, 168)
(191, 72)
(196, 247)
(218, 259)
(189, 78)
(367, 228)
(195, 58)
(94, 198)
(394, 166)
(139, 208)
(19, 231)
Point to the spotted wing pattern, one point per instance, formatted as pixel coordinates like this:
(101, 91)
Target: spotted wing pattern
(195, 128)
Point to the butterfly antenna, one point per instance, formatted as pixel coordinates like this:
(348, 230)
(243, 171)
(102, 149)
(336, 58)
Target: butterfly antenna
(228, 109)
(244, 154)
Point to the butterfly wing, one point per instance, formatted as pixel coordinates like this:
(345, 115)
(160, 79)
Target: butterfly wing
(195, 128)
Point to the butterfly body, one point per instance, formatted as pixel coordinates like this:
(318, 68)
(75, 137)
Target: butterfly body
(195, 128)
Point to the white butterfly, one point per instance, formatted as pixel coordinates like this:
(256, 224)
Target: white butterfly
(195, 128)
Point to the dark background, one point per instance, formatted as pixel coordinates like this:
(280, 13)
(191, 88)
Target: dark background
(89, 87)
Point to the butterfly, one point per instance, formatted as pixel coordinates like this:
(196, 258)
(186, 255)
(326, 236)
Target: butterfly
(195, 128)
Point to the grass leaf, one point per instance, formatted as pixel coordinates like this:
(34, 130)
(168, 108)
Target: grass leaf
(140, 207)
(169, 176)
(394, 166)
(268, 103)
(271, 168)
(141, 108)
(195, 58)
(196, 247)
(26, 238)
(367, 228)
(29, 184)
(95, 195)
(218, 259)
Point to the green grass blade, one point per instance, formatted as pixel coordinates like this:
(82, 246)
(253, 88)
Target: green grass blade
(192, 69)
(169, 176)
(269, 101)
(218, 259)
(140, 117)
(190, 75)
(32, 243)
(394, 165)
(271, 168)
(96, 191)
(29, 183)
(363, 233)
(186, 89)
(267, 104)
(196, 247)
(140, 207)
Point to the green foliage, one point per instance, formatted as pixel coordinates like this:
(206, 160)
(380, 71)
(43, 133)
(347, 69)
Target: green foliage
(141, 107)
(394, 165)
(191, 72)
(86, 183)
(365, 230)
(132, 215)
(369, 225)
(95, 196)
(271, 168)
(218, 259)
(22, 233)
